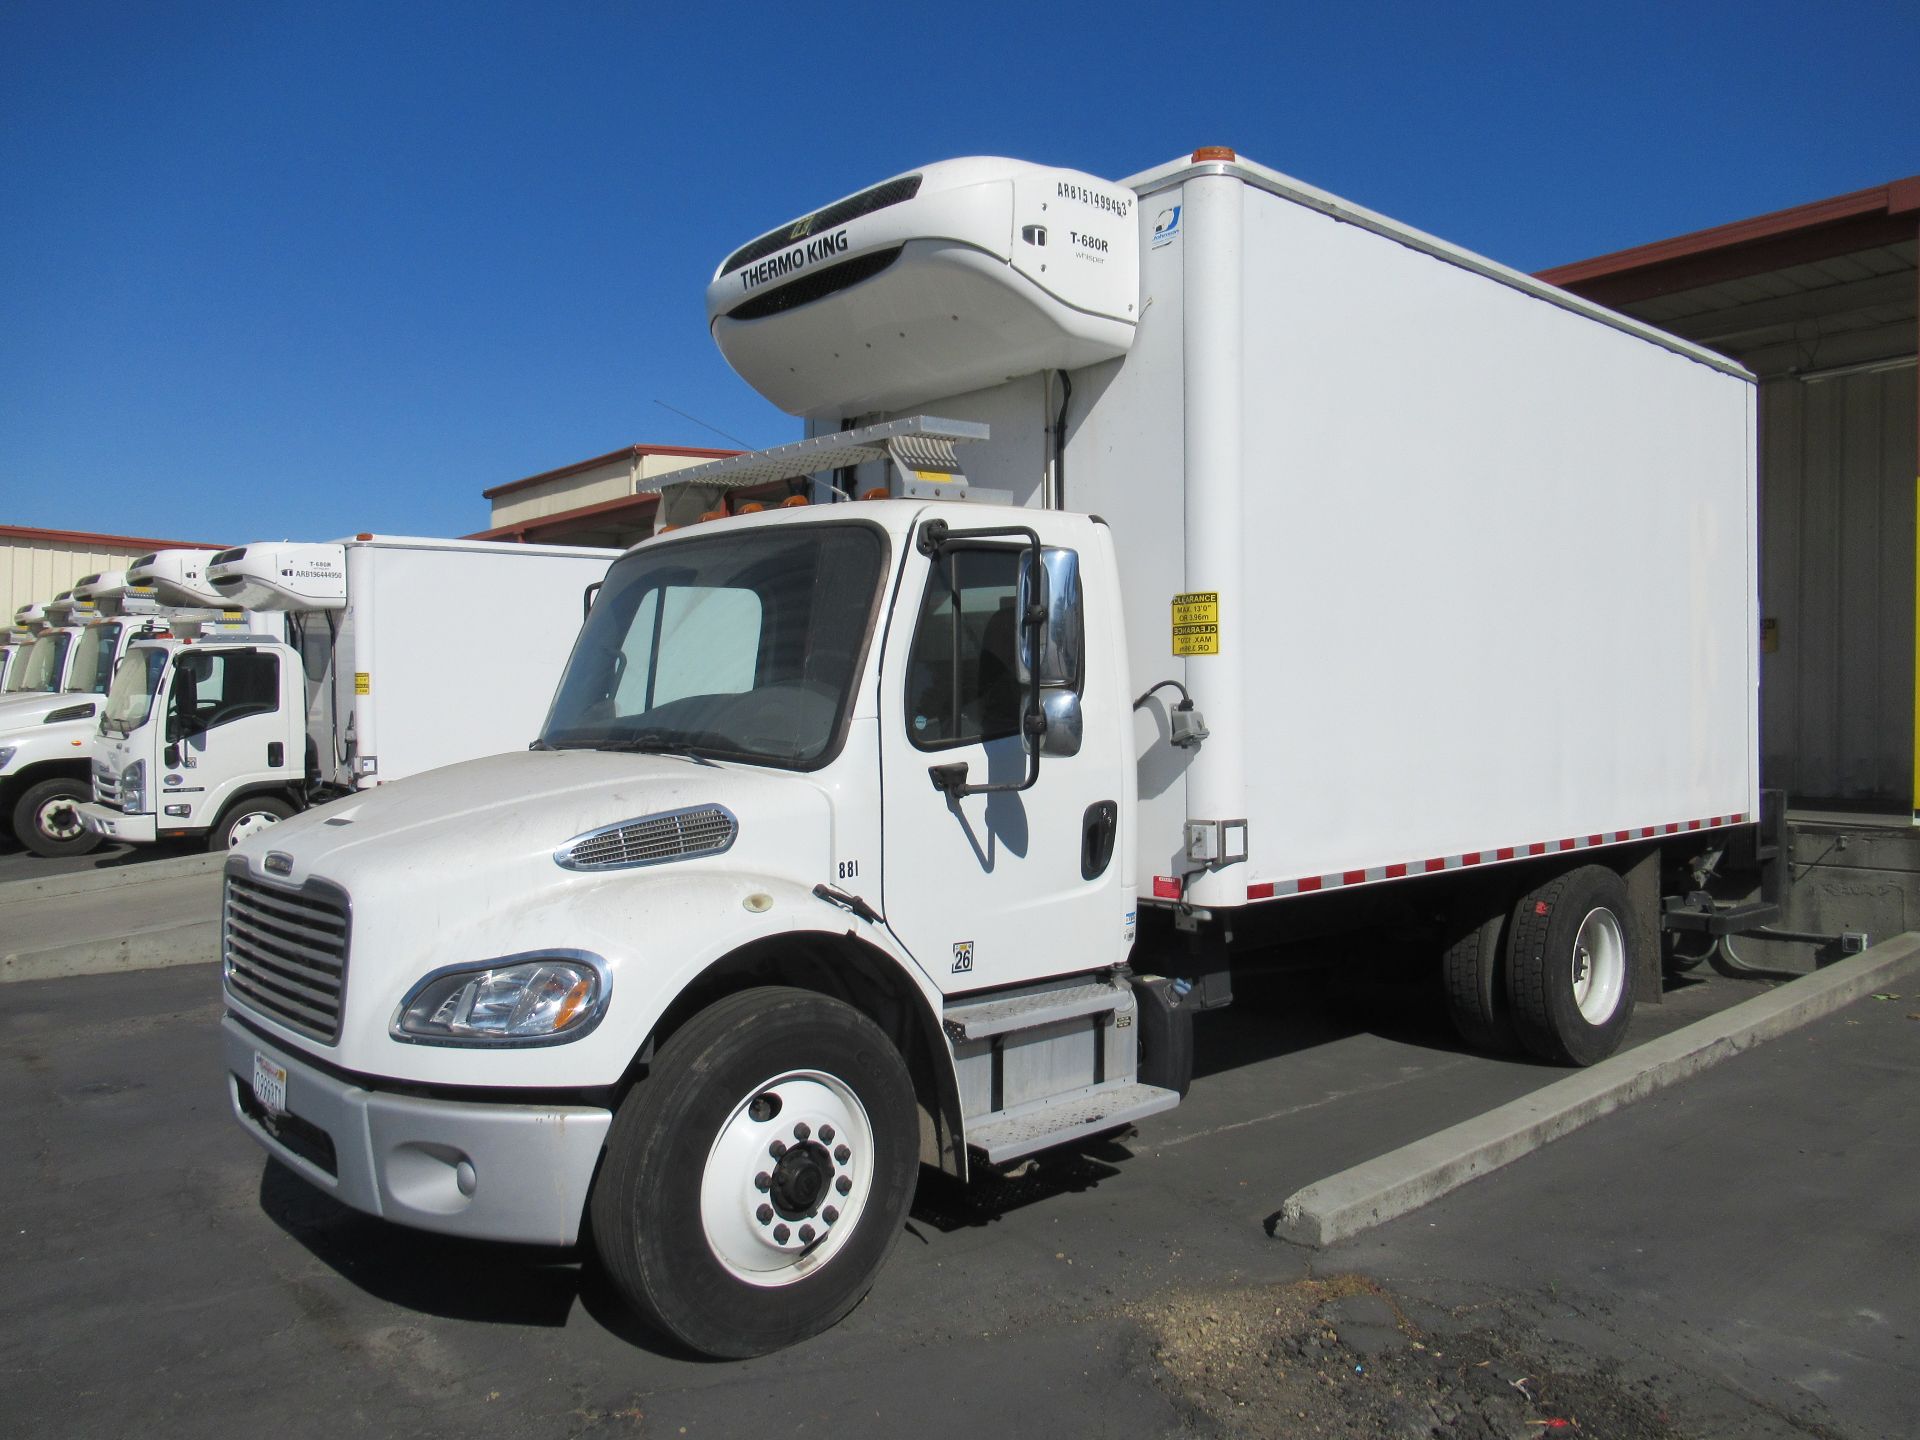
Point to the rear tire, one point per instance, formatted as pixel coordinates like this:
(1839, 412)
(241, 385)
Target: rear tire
(47, 818)
(715, 1236)
(1570, 966)
(246, 817)
(1473, 970)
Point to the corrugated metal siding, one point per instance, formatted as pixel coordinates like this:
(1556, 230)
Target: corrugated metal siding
(1837, 470)
(34, 574)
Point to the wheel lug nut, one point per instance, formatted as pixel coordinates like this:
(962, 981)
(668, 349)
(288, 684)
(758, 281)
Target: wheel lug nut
(826, 1134)
(806, 1234)
(777, 1149)
(763, 1181)
(764, 1214)
(780, 1234)
(802, 1130)
(843, 1184)
(842, 1154)
(830, 1214)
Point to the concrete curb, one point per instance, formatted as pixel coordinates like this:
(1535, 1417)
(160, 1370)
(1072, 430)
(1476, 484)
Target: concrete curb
(194, 944)
(88, 882)
(1402, 1180)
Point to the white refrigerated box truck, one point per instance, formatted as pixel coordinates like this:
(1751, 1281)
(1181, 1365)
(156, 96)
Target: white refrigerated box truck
(399, 655)
(1249, 566)
(47, 736)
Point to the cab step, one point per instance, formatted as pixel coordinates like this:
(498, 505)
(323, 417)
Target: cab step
(979, 1019)
(1065, 1118)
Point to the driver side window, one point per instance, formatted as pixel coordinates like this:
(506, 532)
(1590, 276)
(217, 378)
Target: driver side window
(213, 687)
(963, 675)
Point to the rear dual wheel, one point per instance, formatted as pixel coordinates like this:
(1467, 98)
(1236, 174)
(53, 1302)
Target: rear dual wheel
(1570, 966)
(1552, 976)
(758, 1177)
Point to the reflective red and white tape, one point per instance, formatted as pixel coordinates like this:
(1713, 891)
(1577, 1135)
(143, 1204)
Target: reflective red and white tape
(1167, 887)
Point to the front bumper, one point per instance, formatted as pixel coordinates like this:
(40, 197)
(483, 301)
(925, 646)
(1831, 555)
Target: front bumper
(113, 825)
(486, 1171)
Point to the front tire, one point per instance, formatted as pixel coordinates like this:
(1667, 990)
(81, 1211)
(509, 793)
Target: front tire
(757, 1179)
(1570, 966)
(47, 818)
(246, 817)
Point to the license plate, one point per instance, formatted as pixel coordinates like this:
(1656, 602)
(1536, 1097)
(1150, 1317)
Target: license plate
(269, 1084)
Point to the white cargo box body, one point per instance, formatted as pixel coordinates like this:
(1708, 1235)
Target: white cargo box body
(449, 650)
(1483, 553)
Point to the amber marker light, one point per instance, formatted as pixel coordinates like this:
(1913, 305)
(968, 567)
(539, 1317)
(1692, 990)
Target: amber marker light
(1214, 152)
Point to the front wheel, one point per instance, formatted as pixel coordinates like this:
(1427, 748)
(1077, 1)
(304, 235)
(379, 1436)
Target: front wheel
(47, 818)
(245, 818)
(758, 1177)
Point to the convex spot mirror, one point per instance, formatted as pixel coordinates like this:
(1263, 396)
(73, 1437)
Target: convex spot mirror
(1054, 648)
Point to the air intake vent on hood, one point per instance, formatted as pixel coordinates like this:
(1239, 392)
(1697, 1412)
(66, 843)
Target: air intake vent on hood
(651, 840)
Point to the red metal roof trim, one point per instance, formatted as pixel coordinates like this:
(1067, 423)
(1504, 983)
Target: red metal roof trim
(1861, 220)
(637, 506)
(632, 452)
(97, 541)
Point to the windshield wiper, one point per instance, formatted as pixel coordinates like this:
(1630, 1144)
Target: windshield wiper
(653, 742)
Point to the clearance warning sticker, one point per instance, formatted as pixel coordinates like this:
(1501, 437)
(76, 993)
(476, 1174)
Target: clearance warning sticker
(362, 684)
(1196, 623)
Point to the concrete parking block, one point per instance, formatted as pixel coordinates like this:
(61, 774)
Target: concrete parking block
(1356, 1199)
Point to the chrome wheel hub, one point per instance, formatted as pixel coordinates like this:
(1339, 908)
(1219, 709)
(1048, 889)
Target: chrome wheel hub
(787, 1178)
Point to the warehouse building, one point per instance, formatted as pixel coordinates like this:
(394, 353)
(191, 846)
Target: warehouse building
(1820, 302)
(608, 500)
(36, 565)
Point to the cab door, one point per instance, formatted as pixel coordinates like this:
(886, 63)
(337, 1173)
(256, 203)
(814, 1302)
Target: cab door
(993, 889)
(226, 725)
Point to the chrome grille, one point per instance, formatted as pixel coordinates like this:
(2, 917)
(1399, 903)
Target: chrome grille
(285, 952)
(651, 839)
(106, 786)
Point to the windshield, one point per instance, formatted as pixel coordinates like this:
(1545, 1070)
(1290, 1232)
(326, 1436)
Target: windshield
(93, 660)
(41, 669)
(743, 646)
(136, 681)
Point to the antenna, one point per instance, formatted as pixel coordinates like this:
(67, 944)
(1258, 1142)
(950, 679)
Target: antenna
(703, 424)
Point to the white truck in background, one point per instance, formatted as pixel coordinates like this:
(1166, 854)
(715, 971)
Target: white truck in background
(862, 835)
(47, 737)
(400, 655)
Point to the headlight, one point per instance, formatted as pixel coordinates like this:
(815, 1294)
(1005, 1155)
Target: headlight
(532, 1000)
(70, 712)
(133, 787)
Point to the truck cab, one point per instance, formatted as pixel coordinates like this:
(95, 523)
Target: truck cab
(199, 737)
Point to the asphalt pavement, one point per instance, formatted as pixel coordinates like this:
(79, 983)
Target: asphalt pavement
(1743, 1240)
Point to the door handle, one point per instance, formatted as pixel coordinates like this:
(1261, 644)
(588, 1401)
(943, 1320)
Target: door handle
(1099, 828)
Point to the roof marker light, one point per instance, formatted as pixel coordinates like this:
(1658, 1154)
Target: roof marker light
(1214, 152)
(792, 500)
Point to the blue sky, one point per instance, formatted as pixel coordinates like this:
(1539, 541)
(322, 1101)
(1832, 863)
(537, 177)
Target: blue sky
(274, 270)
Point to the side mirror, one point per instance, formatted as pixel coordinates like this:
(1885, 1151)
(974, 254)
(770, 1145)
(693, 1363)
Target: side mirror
(1062, 709)
(175, 730)
(171, 755)
(1052, 651)
(1055, 646)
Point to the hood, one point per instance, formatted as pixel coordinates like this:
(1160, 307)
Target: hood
(497, 814)
(24, 709)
